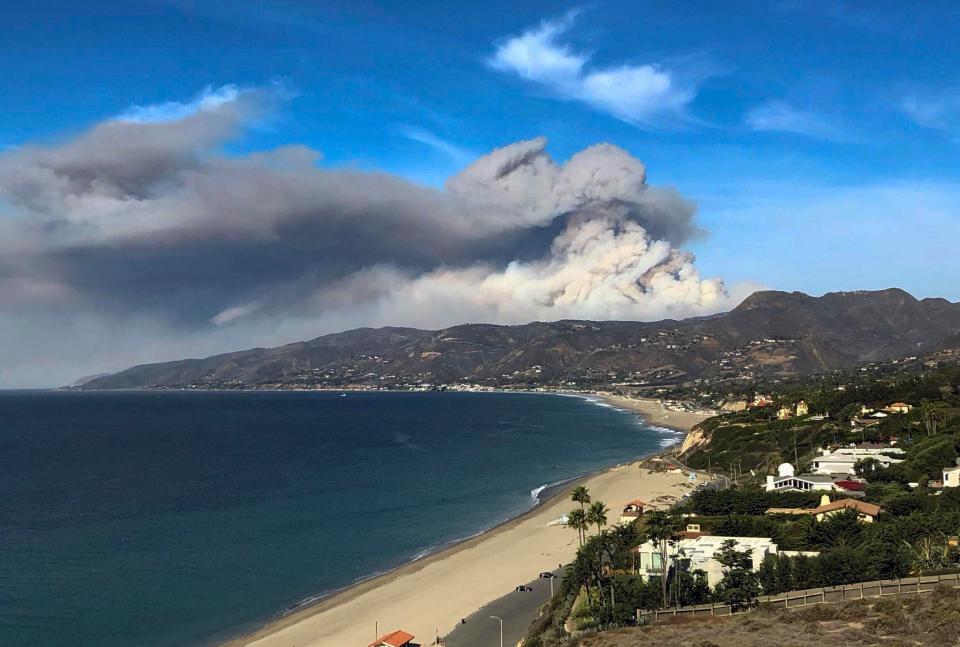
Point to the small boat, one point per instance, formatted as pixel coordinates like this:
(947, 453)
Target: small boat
(343, 395)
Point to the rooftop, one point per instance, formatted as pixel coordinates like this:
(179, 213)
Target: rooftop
(860, 506)
(398, 638)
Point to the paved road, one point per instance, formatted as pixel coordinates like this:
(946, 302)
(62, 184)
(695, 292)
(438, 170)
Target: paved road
(517, 610)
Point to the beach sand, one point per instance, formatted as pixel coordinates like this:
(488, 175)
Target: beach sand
(657, 414)
(430, 596)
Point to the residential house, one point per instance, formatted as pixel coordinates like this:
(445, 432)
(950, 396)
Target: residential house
(700, 552)
(784, 412)
(802, 408)
(632, 511)
(866, 512)
(951, 476)
(734, 405)
(843, 459)
(761, 401)
(396, 638)
(795, 512)
(898, 407)
(786, 480)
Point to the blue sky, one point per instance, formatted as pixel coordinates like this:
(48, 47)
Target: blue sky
(819, 140)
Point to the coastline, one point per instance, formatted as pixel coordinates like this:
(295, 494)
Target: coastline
(427, 596)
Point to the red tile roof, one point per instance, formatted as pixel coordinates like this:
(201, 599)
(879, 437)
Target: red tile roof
(396, 638)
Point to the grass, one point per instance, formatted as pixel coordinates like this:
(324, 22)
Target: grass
(915, 620)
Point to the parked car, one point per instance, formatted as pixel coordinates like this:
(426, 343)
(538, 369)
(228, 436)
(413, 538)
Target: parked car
(524, 587)
(547, 575)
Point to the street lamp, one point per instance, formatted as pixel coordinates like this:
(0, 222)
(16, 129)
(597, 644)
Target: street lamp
(501, 627)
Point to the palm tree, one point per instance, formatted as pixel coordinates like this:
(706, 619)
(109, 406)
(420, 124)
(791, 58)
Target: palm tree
(577, 519)
(660, 530)
(580, 495)
(933, 416)
(597, 515)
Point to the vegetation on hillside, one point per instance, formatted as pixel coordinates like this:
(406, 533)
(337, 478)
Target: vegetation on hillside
(755, 440)
(927, 619)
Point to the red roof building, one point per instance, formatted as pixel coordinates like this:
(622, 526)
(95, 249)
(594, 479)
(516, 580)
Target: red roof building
(396, 638)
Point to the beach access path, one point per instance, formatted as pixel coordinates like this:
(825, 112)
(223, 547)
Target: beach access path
(430, 596)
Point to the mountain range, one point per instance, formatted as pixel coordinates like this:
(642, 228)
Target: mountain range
(769, 333)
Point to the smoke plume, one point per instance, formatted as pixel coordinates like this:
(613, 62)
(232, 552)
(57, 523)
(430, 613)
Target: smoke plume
(140, 240)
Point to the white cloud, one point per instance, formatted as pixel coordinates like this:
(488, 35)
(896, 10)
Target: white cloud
(435, 142)
(209, 100)
(938, 111)
(648, 96)
(779, 116)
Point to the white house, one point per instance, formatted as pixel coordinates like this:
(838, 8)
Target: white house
(787, 480)
(951, 477)
(700, 551)
(842, 460)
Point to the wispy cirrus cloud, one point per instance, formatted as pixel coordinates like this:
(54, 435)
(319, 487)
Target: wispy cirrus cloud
(437, 143)
(935, 110)
(649, 96)
(780, 116)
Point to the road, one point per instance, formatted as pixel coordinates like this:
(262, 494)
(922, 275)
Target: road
(517, 610)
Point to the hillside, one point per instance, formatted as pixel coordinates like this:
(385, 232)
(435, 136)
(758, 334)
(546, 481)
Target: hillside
(929, 619)
(770, 333)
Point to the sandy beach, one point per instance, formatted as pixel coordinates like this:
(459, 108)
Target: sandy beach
(429, 596)
(656, 413)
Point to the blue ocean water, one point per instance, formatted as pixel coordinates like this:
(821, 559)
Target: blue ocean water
(182, 518)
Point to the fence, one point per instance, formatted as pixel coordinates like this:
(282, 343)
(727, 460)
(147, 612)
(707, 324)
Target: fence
(824, 595)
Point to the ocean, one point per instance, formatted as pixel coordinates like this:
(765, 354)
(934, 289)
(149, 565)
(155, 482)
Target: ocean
(182, 518)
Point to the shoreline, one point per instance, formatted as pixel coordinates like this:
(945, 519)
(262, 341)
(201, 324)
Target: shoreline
(310, 623)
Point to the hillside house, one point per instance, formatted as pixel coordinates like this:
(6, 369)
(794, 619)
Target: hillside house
(898, 407)
(784, 413)
(866, 512)
(951, 477)
(632, 511)
(786, 480)
(802, 408)
(700, 551)
(843, 459)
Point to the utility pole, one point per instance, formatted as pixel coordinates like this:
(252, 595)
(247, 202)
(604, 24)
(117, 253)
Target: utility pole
(796, 459)
(501, 628)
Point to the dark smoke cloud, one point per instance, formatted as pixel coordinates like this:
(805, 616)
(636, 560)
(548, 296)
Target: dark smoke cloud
(144, 226)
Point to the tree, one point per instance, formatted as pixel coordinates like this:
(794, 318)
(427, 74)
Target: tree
(577, 519)
(580, 495)
(597, 515)
(660, 530)
(740, 586)
(866, 466)
(933, 416)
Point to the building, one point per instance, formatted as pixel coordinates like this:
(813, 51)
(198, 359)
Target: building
(843, 460)
(734, 405)
(632, 511)
(784, 412)
(786, 480)
(951, 477)
(794, 512)
(396, 638)
(802, 408)
(761, 401)
(898, 407)
(700, 551)
(866, 512)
